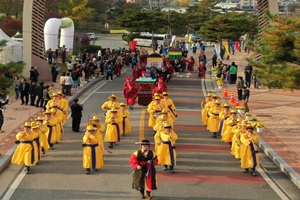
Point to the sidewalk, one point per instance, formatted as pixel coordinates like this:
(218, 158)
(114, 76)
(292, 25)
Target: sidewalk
(16, 115)
(279, 111)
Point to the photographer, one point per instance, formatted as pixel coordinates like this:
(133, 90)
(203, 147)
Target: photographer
(76, 115)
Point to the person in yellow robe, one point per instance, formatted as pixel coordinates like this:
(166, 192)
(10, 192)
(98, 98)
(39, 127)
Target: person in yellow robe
(208, 98)
(43, 137)
(92, 152)
(95, 121)
(52, 101)
(37, 144)
(113, 131)
(230, 122)
(170, 105)
(249, 152)
(163, 117)
(166, 140)
(25, 152)
(154, 109)
(214, 121)
(58, 115)
(50, 122)
(223, 115)
(126, 126)
(63, 105)
(236, 140)
(113, 102)
(209, 106)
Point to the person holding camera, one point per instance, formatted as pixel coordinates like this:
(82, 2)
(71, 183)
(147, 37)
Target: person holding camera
(166, 146)
(76, 115)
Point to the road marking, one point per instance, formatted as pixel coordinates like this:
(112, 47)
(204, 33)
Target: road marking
(187, 109)
(15, 185)
(108, 92)
(20, 177)
(142, 125)
(271, 183)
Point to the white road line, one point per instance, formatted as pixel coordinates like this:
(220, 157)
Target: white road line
(271, 183)
(108, 92)
(20, 177)
(15, 185)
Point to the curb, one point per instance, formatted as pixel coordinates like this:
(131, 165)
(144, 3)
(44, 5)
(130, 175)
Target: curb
(284, 166)
(6, 158)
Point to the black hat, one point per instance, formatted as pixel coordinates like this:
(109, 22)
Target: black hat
(145, 142)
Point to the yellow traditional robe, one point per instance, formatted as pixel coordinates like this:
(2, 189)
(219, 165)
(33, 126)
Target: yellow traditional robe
(167, 154)
(92, 152)
(247, 160)
(25, 152)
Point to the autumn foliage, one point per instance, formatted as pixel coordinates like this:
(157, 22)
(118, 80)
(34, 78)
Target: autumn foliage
(11, 26)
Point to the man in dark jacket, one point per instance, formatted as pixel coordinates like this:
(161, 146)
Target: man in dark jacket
(76, 115)
(34, 74)
(33, 93)
(24, 91)
(39, 93)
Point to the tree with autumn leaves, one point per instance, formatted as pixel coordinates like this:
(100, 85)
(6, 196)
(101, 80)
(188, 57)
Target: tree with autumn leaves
(279, 47)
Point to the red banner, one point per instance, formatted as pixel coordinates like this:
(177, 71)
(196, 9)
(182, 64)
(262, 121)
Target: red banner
(132, 45)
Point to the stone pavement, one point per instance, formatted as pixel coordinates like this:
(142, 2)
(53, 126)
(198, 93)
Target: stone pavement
(16, 115)
(279, 111)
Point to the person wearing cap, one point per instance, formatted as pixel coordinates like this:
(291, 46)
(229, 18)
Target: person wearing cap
(159, 124)
(236, 140)
(37, 144)
(166, 140)
(127, 82)
(95, 121)
(58, 115)
(208, 106)
(248, 150)
(113, 131)
(76, 114)
(63, 105)
(144, 174)
(113, 102)
(154, 109)
(25, 152)
(43, 137)
(52, 101)
(223, 115)
(130, 93)
(214, 120)
(170, 105)
(204, 112)
(231, 122)
(92, 152)
(51, 122)
(126, 126)
(159, 88)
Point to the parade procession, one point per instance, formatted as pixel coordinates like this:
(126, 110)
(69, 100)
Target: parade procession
(149, 99)
(111, 123)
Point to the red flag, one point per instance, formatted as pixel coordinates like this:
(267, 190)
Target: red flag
(132, 45)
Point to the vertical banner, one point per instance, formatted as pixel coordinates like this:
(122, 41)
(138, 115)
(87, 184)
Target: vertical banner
(132, 45)
(173, 39)
(218, 50)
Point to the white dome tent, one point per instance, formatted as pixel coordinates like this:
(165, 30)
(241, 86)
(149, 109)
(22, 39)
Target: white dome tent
(51, 31)
(12, 51)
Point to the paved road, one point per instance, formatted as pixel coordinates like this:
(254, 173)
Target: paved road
(205, 168)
